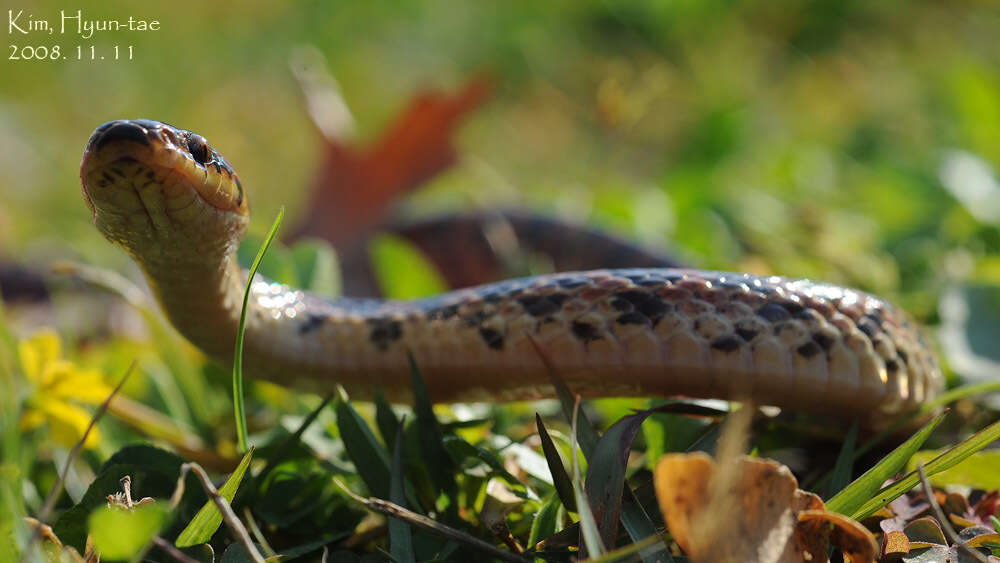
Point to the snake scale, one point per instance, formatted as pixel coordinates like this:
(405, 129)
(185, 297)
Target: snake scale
(178, 208)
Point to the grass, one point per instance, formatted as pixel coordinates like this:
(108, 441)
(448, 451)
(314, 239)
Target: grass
(238, 388)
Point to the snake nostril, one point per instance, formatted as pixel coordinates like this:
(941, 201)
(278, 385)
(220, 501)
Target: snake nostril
(198, 148)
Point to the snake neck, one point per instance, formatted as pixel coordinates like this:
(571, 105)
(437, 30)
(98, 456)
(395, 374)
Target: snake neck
(202, 298)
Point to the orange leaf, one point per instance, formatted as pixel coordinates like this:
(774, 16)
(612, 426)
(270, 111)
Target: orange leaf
(354, 186)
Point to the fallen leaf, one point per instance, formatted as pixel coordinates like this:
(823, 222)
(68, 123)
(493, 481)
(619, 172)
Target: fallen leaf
(355, 185)
(761, 516)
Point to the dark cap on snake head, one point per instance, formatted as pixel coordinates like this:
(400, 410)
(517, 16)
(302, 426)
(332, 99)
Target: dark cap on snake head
(150, 184)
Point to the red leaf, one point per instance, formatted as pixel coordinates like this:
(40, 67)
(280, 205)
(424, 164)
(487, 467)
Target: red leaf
(355, 185)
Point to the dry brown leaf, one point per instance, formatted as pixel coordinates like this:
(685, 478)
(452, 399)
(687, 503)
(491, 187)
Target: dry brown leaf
(761, 516)
(355, 186)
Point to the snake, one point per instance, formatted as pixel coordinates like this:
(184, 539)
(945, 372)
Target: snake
(177, 207)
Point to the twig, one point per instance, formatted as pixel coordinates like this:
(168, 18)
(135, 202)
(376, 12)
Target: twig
(395, 511)
(54, 494)
(925, 485)
(172, 551)
(223, 505)
(255, 530)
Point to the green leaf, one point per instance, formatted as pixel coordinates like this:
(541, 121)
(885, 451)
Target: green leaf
(666, 432)
(861, 489)
(403, 272)
(385, 419)
(431, 441)
(238, 393)
(460, 450)
(122, 534)
(560, 478)
(204, 524)
(950, 458)
(588, 526)
(585, 434)
(841, 474)
(236, 553)
(368, 454)
(546, 521)
(316, 267)
(400, 538)
(637, 523)
(606, 473)
(606, 481)
(979, 471)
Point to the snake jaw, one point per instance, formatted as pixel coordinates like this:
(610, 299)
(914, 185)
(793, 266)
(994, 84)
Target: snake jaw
(152, 186)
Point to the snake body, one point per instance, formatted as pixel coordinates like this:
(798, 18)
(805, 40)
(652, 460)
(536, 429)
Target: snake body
(176, 205)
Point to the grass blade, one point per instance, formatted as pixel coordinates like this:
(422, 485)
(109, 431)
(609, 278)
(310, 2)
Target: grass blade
(635, 520)
(841, 475)
(205, 523)
(858, 493)
(585, 433)
(385, 419)
(606, 473)
(560, 478)
(588, 526)
(546, 522)
(371, 460)
(950, 458)
(400, 539)
(238, 406)
(431, 440)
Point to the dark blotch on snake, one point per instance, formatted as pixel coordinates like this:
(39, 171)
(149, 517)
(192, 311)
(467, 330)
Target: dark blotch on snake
(792, 307)
(746, 333)
(538, 306)
(475, 319)
(645, 302)
(585, 331)
(384, 332)
(867, 326)
(809, 349)
(443, 313)
(312, 322)
(892, 365)
(492, 298)
(774, 313)
(727, 343)
(824, 340)
(632, 318)
(572, 282)
(492, 338)
(558, 298)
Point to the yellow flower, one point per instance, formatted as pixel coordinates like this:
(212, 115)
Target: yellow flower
(59, 388)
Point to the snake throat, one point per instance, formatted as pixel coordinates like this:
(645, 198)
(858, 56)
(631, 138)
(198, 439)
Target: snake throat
(177, 207)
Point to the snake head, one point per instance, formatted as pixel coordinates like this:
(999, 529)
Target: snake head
(160, 191)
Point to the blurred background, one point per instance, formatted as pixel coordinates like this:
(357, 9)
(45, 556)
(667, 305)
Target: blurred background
(848, 141)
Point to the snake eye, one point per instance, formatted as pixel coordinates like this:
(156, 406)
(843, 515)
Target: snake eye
(198, 148)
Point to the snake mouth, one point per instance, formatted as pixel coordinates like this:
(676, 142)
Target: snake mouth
(148, 167)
